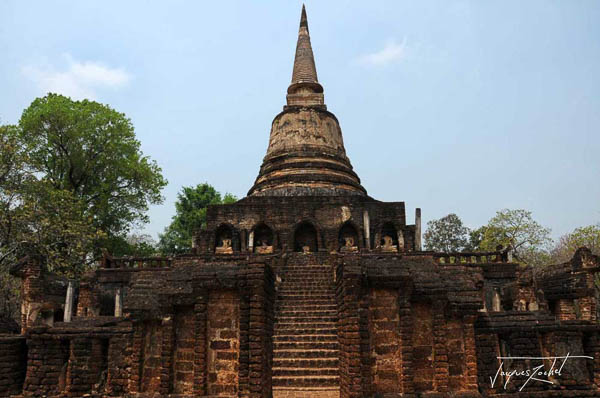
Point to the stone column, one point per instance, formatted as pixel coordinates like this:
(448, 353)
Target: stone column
(244, 247)
(251, 241)
(367, 229)
(118, 303)
(418, 229)
(69, 303)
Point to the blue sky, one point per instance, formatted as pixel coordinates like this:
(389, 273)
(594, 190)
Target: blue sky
(452, 106)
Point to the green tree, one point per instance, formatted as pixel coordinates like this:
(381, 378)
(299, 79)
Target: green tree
(12, 173)
(517, 229)
(446, 234)
(136, 245)
(190, 215)
(581, 237)
(475, 239)
(90, 150)
(35, 217)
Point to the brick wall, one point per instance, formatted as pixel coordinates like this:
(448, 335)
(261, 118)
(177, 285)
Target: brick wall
(47, 361)
(386, 362)
(12, 364)
(455, 346)
(87, 367)
(151, 357)
(223, 343)
(422, 342)
(119, 365)
(183, 351)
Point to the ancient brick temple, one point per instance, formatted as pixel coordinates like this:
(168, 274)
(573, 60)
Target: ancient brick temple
(307, 287)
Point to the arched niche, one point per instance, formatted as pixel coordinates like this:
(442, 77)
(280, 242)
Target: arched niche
(225, 239)
(263, 239)
(306, 238)
(389, 238)
(348, 238)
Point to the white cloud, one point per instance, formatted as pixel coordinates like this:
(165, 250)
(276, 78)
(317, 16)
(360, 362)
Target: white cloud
(78, 79)
(392, 52)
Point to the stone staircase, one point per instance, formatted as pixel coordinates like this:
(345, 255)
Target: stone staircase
(305, 344)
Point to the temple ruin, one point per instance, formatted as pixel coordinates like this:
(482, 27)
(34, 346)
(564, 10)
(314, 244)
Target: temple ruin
(307, 287)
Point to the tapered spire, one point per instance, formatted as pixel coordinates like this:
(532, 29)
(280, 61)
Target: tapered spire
(306, 155)
(305, 88)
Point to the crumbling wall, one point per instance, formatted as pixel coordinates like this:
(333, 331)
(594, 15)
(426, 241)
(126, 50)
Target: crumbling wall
(455, 348)
(47, 361)
(87, 367)
(119, 365)
(422, 342)
(223, 336)
(183, 351)
(151, 355)
(488, 352)
(13, 361)
(384, 325)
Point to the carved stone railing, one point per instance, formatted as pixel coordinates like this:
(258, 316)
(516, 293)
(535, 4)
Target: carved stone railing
(472, 257)
(135, 262)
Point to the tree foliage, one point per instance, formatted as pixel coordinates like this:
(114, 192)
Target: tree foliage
(446, 234)
(190, 215)
(475, 239)
(581, 237)
(90, 150)
(517, 230)
(72, 179)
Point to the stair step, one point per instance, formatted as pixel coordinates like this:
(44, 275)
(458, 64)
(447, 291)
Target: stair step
(306, 319)
(303, 353)
(305, 307)
(302, 325)
(307, 296)
(306, 330)
(309, 345)
(304, 338)
(305, 381)
(309, 290)
(306, 363)
(305, 313)
(305, 341)
(305, 371)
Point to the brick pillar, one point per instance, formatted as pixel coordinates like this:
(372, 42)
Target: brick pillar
(488, 350)
(565, 310)
(136, 357)
(80, 375)
(119, 351)
(440, 354)
(592, 349)
(587, 306)
(166, 354)
(259, 333)
(470, 353)
(243, 386)
(348, 297)
(406, 331)
(200, 326)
